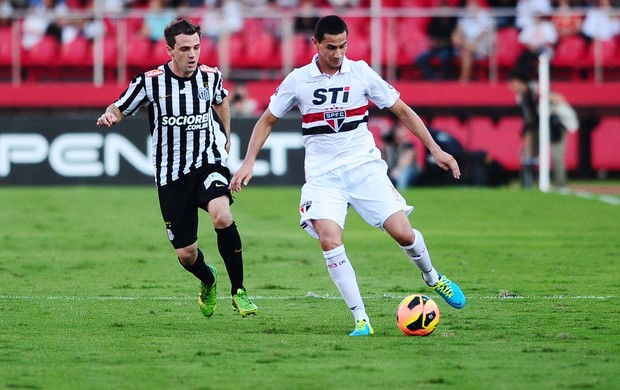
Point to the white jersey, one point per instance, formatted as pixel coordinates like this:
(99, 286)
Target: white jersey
(334, 112)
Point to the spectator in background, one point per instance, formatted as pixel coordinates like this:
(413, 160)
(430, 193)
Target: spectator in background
(472, 37)
(49, 17)
(439, 30)
(566, 20)
(527, 102)
(401, 157)
(6, 11)
(228, 17)
(306, 18)
(156, 19)
(242, 104)
(507, 7)
(272, 25)
(528, 9)
(538, 37)
(562, 118)
(600, 24)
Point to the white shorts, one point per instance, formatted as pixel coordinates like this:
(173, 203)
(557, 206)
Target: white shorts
(367, 188)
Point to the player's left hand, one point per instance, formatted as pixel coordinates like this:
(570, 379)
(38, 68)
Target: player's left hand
(448, 163)
(241, 177)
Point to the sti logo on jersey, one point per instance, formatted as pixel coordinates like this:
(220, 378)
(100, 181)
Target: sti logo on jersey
(331, 95)
(335, 119)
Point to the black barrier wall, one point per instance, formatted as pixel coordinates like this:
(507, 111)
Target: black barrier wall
(68, 148)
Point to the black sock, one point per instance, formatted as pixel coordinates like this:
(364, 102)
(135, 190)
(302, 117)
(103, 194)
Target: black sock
(229, 245)
(200, 270)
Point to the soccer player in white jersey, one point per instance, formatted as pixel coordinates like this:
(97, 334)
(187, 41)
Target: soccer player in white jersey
(190, 149)
(342, 164)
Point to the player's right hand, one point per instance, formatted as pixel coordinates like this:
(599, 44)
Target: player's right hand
(107, 119)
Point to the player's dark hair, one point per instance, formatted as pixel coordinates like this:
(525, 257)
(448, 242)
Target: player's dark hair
(177, 27)
(519, 76)
(332, 25)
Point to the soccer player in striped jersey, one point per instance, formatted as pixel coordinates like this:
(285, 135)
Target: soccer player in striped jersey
(190, 128)
(343, 165)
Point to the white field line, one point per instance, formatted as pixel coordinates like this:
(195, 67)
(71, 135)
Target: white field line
(309, 295)
(591, 196)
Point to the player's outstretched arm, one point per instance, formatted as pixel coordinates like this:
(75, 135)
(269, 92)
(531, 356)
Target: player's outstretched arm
(261, 131)
(413, 122)
(111, 116)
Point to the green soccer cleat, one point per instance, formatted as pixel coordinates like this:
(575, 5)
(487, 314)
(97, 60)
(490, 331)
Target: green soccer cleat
(362, 328)
(450, 292)
(207, 295)
(242, 304)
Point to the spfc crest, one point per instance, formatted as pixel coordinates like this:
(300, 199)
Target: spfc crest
(305, 206)
(335, 119)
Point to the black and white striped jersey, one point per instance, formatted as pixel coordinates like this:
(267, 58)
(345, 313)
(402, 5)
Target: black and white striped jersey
(186, 133)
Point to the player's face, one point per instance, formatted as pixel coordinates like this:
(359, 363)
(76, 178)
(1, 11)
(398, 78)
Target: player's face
(518, 86)
(331, 52)
(185, 54)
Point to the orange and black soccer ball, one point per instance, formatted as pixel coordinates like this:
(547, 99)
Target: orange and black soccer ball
(417, 315)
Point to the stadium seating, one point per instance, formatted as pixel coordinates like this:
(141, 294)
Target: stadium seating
(302, 50)
(572, 151)
(139, 55)
(208, 52)
(236, 50)
(39, 57)
(263, 51)
(609, 58)
(453, 126)
(501, 143)
(568, 56)
(605, 141)
(6, 53)
(507, 50)
(6, 46)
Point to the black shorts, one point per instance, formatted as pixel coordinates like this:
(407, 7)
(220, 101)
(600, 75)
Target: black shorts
(179, 201)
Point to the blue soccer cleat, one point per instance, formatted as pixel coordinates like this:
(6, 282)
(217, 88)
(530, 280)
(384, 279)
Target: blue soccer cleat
(362, 328)
(450, 292)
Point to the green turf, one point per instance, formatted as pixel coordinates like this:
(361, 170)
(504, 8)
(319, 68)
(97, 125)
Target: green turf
(92, 297)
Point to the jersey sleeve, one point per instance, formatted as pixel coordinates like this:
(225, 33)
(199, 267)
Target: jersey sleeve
(134, 97)
(380, 92)
(220, 92)
(285, 96)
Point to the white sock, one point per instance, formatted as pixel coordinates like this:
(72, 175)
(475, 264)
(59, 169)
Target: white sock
(419, 255)
(343, 275)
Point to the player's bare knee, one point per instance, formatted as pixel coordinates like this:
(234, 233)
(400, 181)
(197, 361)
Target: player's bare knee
(222, 220)
(187, 256)
(328, 243)
(403, 237)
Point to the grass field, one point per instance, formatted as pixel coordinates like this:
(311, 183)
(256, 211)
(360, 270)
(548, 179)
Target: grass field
(92, 297)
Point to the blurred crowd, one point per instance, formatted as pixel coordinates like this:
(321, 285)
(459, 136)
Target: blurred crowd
(456, 39)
